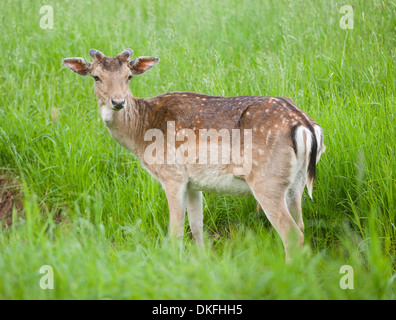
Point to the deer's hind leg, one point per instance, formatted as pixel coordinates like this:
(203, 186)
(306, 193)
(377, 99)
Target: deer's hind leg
(273, 203)
(293, 201)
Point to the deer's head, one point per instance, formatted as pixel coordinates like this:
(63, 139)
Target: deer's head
(111, 74)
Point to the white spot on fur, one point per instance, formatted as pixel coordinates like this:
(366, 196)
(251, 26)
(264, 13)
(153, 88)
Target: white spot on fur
(268, 136)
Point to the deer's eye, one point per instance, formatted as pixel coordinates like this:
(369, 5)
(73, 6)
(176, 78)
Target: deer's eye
(130, 77)
(96, 78)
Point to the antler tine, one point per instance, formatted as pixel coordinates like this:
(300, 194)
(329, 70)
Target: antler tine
(95, 54)
(126, 54)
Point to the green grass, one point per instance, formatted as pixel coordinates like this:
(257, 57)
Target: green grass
(99, 219)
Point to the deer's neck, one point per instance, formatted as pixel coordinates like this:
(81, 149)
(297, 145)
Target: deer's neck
(127, 126)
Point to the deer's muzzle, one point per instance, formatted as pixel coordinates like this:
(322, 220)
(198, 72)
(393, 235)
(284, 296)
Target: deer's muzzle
(118, 105)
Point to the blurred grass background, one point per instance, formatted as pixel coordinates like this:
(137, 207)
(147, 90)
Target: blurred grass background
(99, 219)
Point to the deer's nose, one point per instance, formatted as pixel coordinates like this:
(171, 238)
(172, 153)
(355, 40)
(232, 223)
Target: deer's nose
(118, 104)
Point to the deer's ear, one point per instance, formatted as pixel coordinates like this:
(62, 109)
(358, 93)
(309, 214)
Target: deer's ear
(142, 64)
(78, 65)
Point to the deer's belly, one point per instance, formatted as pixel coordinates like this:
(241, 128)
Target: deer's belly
(226, 184)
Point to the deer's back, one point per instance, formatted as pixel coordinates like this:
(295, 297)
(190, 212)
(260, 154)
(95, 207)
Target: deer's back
(198, 111)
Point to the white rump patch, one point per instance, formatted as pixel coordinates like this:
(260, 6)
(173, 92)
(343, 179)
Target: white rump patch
(299, 163)
(319, 139)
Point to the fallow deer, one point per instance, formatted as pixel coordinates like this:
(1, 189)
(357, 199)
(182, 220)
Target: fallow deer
(285, 144)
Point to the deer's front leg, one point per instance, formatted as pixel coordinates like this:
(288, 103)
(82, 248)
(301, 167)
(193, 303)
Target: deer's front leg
(176, 196)
(195, 215)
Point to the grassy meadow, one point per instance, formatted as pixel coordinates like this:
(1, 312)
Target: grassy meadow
(92, 212)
